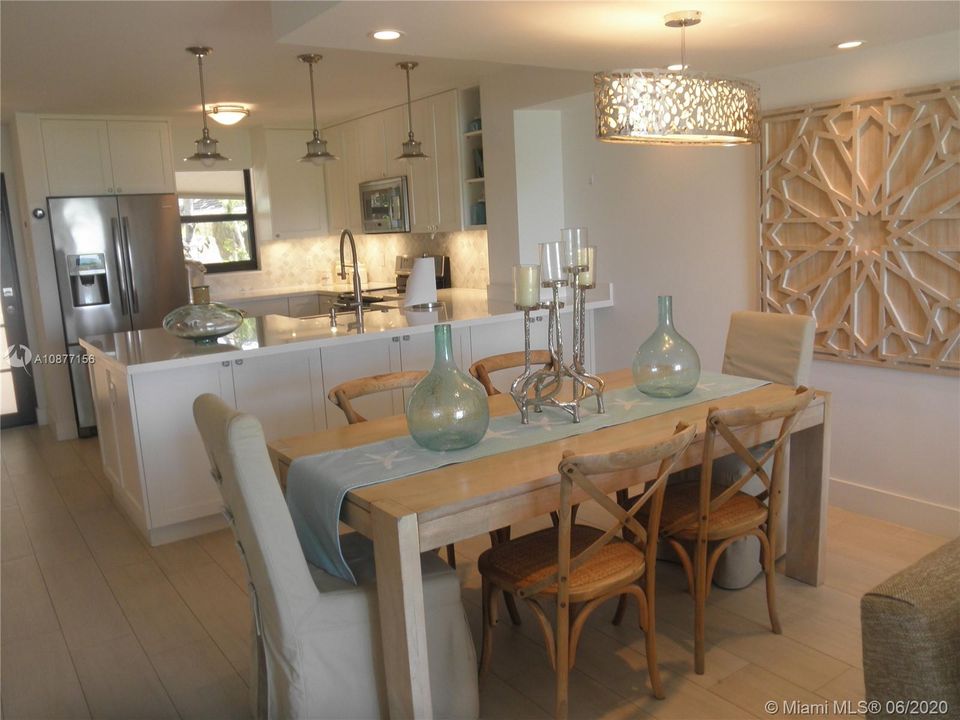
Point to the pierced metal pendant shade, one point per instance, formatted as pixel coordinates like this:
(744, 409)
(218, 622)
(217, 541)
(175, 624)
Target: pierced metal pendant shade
(206, 152)
(658, 106)
(412, 149)
(317, 152)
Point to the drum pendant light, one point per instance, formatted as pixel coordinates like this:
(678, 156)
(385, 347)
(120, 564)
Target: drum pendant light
(206, 153)
(316, 147)
(658, 106)
(411, 146)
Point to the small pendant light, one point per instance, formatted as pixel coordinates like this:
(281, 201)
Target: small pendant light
(206, 152)
(411, 146)
(316, 147)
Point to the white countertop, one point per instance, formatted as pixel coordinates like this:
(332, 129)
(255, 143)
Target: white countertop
(155, 349)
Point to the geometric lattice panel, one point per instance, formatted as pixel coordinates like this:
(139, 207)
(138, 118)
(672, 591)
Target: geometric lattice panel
(860, 225)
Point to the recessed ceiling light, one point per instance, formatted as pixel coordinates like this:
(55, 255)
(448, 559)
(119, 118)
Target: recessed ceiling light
(849, 44)
(385, 34)
(676, 67)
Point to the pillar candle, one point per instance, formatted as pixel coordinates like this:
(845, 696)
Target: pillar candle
(587, 258)
(526, 285)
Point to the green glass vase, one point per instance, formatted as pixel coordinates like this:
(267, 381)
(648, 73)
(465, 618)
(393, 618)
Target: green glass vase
(666, 365)
(448, 409)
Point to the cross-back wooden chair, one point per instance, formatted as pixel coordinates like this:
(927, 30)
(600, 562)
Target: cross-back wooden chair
(712, 518)
(580, 566)
(482, 368)
(343, 393)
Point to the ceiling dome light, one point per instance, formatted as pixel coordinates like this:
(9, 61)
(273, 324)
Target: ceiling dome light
(206, 153)
(228, 114)
(676, 67)
(386, 34)
(667, 107)
(849, 44)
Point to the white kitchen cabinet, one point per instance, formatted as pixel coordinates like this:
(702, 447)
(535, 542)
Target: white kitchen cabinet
(422, 174)
(355, 360)
(334, 183)
(373, 147)
(276, 389)
(103, 405)
(104, 157)
(176, 470)
(447, 129)
(294, 192)
(418, 352)
(505, 336)
(350, 138)
(141, 156)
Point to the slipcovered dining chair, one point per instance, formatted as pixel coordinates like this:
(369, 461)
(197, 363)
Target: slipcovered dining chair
(710, 517)
(580, 567)
(317, 647)
(769, 346)
(343, 393)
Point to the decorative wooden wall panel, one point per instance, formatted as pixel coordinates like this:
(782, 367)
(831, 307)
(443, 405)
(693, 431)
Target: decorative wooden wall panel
(860, 225)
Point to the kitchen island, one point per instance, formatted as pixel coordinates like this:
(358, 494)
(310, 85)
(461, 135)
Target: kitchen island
(279, 369)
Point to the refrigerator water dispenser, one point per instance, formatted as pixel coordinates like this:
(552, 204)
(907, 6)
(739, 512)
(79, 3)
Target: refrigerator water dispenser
(88, 279)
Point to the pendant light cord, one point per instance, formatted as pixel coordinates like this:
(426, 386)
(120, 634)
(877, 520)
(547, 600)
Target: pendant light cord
(683, 48)
(313, 100)
(409, 107)
(203, 101)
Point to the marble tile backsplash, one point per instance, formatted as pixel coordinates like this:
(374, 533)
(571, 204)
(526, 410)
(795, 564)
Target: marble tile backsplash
(307, 261)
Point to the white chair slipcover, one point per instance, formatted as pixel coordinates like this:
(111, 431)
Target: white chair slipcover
(317, 648)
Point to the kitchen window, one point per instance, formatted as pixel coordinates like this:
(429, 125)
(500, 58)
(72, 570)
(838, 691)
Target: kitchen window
(216, 219)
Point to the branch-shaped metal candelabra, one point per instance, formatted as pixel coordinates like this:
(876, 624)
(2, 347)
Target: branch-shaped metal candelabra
(543, 386)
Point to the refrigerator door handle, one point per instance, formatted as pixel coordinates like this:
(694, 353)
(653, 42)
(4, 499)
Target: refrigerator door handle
(134, 297)
(121, 270)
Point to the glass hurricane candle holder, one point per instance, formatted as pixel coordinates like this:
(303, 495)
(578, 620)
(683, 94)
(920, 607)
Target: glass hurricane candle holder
(526, 286)
(574, 242)
(552, 268)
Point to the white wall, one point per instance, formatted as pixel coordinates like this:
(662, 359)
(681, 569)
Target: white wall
(896, 434)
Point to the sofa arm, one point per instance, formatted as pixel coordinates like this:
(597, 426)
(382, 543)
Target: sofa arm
(911, 634)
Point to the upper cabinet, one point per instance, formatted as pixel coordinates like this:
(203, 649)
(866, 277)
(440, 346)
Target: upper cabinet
(105, 157)
(289, 198)
(368, 148)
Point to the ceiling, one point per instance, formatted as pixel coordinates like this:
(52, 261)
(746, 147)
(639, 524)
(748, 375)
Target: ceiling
(128, 57)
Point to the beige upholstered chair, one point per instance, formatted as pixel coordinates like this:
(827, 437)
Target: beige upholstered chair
(579, 567)
(770, 346)
(317, 638)
(911, 636)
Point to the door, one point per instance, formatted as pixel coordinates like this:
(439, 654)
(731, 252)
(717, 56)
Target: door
(423, 172)
(334, 183)
(276, 389)
(17, 393)
(140, 156)
(297, 203)
(373, 149)
(446, 137)
(77, 156)
(153, 255)
(356, 360)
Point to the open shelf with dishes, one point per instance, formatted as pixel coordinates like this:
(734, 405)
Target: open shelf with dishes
(474, 191)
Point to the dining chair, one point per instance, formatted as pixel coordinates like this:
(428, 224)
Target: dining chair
(482, 368)
(343, 393)
(580, 566)
(711, 516)
(317, 646)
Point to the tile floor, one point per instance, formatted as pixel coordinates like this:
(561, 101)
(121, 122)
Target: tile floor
(97, 624)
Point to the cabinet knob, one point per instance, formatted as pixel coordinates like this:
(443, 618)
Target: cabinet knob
(109, 190)
(226, 363)
(238, 362)
(406, 337)
(395, 339)
(119, 189)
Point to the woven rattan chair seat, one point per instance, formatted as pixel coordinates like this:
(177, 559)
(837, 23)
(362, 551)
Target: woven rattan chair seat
(525, 560)
(740, 513)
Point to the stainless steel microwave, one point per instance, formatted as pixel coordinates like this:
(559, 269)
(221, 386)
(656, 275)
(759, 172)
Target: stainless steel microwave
(384, 205)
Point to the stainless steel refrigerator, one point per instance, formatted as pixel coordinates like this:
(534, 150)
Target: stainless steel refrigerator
(119, 268)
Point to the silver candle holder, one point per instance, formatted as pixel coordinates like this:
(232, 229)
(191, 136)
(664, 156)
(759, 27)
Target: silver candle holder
(562, 264)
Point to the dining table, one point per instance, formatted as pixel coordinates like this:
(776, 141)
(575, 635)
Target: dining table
(417, 513)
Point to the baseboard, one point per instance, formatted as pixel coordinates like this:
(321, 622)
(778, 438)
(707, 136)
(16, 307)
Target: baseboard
(884, 505)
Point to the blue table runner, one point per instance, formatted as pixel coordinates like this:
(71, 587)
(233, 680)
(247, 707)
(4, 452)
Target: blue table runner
(317, 484)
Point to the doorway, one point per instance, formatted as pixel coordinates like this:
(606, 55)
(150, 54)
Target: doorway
(17, 392)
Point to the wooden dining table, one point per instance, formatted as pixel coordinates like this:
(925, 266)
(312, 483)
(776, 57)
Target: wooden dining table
(417, 513)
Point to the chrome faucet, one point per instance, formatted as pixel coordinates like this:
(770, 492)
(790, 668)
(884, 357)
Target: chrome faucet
(357, 292)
